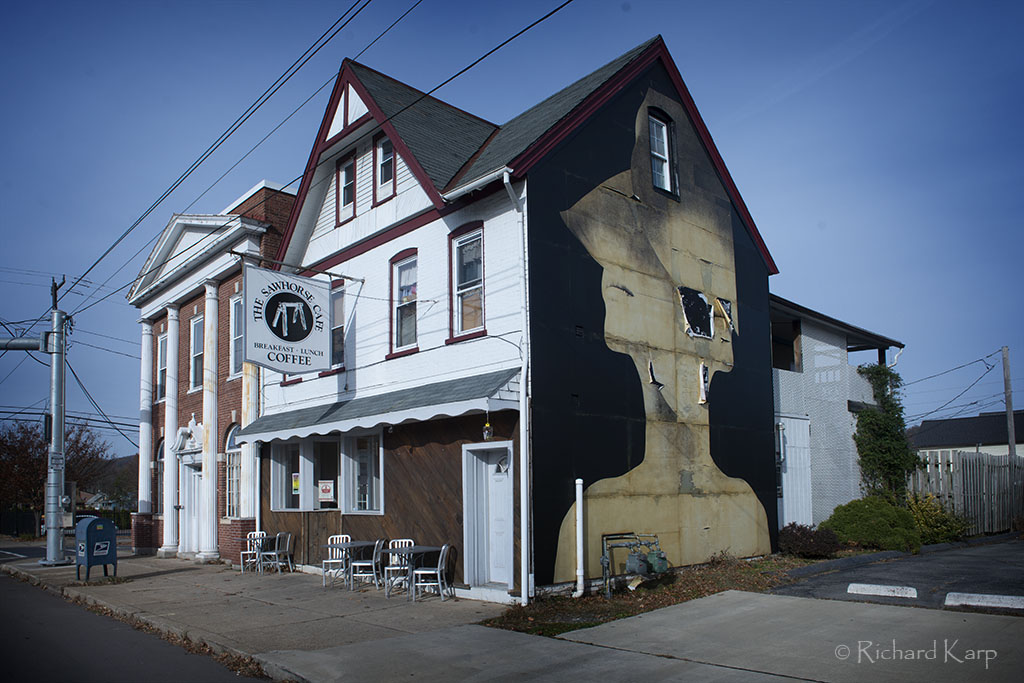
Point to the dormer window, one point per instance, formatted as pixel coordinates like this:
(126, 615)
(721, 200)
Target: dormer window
(383, 169)
(346, 187)
(662, 164)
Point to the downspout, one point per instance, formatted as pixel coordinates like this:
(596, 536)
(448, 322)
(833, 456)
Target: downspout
(579, 539)
(258, 452)
(524, 405)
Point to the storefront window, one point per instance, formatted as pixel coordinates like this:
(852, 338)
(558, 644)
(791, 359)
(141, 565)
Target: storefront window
(364, 474)
(325, 475)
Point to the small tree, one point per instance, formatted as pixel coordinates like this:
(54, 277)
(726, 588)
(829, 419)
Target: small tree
(23, 462)
(885, 456)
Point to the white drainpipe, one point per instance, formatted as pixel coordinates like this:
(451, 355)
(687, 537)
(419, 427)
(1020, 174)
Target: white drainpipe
(524, 402)
(579, 539)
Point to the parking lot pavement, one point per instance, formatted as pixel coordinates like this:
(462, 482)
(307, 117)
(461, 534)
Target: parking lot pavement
(994, 569)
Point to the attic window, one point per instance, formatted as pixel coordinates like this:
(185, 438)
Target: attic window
(662, 171)
(697, 313)
(383, 169)
(346, 189)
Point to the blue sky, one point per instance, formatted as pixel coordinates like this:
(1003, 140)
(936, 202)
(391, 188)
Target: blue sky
(877, 145)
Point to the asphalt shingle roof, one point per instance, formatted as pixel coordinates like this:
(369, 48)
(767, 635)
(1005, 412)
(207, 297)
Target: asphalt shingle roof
(517, 135)
(440, 136)
(987, 429)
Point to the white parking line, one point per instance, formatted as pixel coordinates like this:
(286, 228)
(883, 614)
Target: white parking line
(983, 600)
(8, 552)
(880, 590)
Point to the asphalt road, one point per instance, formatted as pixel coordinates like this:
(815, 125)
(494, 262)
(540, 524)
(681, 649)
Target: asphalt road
(994, 569)
(44, 638)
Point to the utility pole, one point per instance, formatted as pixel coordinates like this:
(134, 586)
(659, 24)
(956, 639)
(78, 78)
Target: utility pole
(1011, 436)
(1008, 395)
(55, 468)
(52, 343)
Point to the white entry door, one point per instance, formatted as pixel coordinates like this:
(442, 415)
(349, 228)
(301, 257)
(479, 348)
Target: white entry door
(188, 518)
(488, 514)
(795, 437)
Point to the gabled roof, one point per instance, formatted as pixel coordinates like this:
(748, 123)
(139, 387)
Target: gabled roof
(986, 429)
(516, 136)
(440, 137)
(447, 148)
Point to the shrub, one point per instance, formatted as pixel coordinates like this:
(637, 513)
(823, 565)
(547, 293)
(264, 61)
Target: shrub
(874, 522)
(935, 523)
(806, 541)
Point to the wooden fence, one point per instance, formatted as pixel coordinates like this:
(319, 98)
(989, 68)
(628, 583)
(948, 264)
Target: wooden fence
(975, 485)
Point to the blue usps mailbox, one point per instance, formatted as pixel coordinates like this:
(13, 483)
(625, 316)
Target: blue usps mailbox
(96, 543)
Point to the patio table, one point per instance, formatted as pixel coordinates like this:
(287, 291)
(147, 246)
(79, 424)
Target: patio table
(412, 552)
(347, 547)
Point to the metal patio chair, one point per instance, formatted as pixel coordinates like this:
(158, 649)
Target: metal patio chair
(335, 565)
(396, 571)
(279, 553)
(368, 569)
(436, 577)
(250, 557)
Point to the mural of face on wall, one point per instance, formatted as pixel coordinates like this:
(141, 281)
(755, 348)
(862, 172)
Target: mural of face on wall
(669, 290)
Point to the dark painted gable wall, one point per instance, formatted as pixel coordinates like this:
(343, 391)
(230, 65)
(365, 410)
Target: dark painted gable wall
(588, 417)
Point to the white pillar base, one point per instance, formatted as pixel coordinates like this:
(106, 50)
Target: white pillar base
(207, 556)
(167, 551)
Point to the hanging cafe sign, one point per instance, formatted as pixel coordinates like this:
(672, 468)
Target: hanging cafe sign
(287, 321)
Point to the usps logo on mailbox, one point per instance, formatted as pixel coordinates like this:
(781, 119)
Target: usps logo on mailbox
(101, 548)
(81, 549)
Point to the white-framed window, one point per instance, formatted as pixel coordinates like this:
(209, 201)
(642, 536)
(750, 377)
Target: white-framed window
(403, 297)
(346, 188)
(363, 473)
(233, 479)
(195, 360)
(305, 475)
(237, 323)
(286, 476)
(338, 326)
(383, 169)
(662, 173)
(468, 282)
(161, 367)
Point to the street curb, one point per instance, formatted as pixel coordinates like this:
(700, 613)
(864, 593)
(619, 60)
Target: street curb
(860, 560)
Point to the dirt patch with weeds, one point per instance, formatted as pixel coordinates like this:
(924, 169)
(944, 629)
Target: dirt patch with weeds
(553, 615)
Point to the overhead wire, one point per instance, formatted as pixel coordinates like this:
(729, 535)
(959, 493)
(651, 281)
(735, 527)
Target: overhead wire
(97, 405)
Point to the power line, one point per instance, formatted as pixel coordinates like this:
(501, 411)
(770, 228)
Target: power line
(97, 405)
(102, 348)
(946, 372)
(969, 386)
(399, 112)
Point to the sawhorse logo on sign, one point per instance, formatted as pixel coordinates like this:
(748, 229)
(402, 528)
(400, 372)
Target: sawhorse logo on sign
(289, 317)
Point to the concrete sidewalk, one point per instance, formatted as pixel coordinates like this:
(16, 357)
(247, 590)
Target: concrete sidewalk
(301, 631)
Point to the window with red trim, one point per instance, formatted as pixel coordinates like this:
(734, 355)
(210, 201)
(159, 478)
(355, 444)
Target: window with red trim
(403, 302)
(345, 181)
(384, 170)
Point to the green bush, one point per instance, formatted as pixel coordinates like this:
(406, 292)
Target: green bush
(934, 522)
(873, 522)
(806, 541)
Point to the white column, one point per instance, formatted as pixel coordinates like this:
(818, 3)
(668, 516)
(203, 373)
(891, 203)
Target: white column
(170, 543)
(248, 496)
(146, 419)
(208, 513)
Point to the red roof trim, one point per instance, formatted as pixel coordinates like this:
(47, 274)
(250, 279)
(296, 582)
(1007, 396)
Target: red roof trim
(560, 131)
(400, 147)
(307, 175)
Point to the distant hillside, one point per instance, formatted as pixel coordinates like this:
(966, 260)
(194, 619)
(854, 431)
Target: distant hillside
(124, 470)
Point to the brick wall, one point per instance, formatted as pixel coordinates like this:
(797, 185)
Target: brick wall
(231, 537)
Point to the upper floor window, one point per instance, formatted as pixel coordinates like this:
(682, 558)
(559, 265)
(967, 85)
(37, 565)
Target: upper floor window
(346, 184)
(467, 279)
(237, 321)
(195, 362)
(403, 298)
(338, 324)
(662, 173)
(161, 367)
(383, 169)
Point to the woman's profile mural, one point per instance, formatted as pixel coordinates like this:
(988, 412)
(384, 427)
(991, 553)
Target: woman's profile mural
(669, 287)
